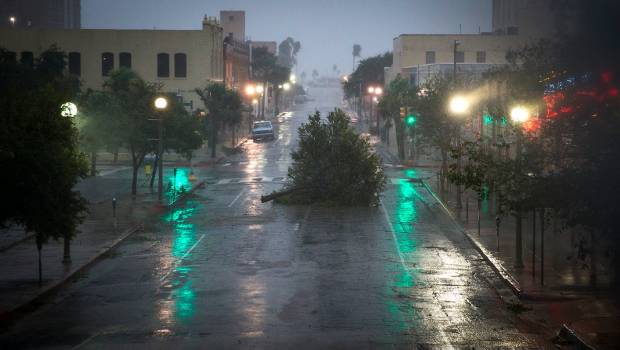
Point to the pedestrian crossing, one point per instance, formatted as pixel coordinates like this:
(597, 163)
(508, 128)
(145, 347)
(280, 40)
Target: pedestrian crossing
(282, 179)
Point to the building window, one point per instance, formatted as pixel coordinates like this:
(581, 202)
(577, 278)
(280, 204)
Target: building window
(481, 57)
(75, 63)
(231, 18)
(430, 57)
(107, 63)
(124, 60)
(163, 65)
(27, 58)
(459, 57)
(180, 65)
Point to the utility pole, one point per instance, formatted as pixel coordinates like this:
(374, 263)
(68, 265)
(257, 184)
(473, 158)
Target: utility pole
(459, 203)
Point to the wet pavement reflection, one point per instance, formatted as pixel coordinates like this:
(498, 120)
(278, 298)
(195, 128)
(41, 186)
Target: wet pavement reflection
(223, 270)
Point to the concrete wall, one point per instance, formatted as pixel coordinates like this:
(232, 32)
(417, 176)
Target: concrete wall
(203, 49)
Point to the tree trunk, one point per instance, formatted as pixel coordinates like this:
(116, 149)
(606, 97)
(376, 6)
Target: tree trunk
(134, 178)
(115, 156)
(154, 171)
(93, 163)
(39, 247)
(66, 256)
(444, 171)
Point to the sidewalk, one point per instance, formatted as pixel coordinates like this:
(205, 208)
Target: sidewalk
(566, 296)
(100, 232)
(566, 299)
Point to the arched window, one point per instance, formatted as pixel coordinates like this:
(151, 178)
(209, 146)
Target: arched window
(124, 60)
(180, 65)
(107, 63)
(163, 65)
(75, 63)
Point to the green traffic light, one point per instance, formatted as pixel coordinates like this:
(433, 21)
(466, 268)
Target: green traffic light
(410, 120)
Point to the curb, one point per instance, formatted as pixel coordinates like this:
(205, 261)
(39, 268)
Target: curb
(567, 333)
(31, 304)
(496, 266)
(19, 241)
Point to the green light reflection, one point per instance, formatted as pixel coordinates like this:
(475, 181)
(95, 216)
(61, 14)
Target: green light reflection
(184, 237)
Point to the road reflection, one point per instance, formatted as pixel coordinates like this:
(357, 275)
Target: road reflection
(180, 305)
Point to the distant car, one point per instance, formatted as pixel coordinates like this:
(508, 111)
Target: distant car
(262, 129)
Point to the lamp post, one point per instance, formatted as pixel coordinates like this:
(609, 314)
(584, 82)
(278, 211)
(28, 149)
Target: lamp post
(375, 92)
(459, 105)
(68, 110)
(160, 105)
(519, 115)
(12, 21)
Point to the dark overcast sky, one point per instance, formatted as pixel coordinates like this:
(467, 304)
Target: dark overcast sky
(327, 29)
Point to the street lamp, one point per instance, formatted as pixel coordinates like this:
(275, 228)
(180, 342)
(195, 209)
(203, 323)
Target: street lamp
(286, 86)
(68, 109)
(459, 105)
(250, 90)
(519, 115)
(160, 105)
(12, 21)
(371, 89)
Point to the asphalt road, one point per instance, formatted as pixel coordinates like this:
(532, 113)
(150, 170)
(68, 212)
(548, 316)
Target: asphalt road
(226, 271)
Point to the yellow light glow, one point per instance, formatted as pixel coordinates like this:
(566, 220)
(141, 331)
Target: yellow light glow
(161, 103)
(519, 114)
(259, 89)
(378, 91)
(459, 105)
(250, 90)
(286, 86)
(371, 89)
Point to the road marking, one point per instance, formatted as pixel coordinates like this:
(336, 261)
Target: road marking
(236, 198)
(87, 340)
(109, 172)
(176, 263)
(402, 262)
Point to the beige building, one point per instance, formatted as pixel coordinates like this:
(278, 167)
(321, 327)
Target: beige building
(415, 53)
(233, 23)
(181, 60)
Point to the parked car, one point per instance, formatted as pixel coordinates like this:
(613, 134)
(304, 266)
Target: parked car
(262, 129)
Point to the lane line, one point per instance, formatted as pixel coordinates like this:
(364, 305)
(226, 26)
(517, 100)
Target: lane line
(176, 264)
(236, 198)
(443, 335)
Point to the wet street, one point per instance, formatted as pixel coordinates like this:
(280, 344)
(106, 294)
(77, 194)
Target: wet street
(223, 270)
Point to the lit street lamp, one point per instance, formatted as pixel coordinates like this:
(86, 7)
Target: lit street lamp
(68, 109)
(376, 91)
(519, 115)
(12, 21)
(160, 105)
(286, 86)
(459, 105)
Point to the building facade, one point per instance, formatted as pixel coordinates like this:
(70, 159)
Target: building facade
(233, 24)
(41, 14)
(423, 53)
(529, 18)
(180, 60)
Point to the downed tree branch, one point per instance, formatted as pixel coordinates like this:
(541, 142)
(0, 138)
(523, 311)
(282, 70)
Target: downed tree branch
(275, 195)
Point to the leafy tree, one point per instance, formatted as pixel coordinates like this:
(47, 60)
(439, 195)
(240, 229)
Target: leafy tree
(334, 165)
(134, 98)
(98, 123)
(267, 70)
(287, 52)
(369, 71)
(398, 94)
(39, 153)
(222, 105)
(315, 74)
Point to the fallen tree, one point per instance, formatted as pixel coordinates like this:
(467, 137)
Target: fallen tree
(333, 165)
